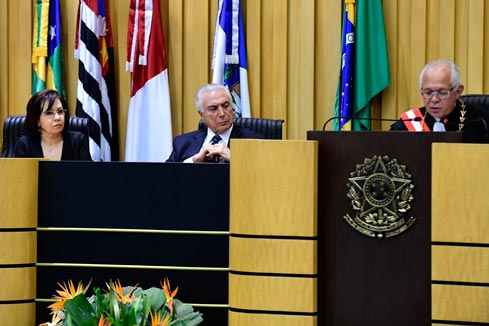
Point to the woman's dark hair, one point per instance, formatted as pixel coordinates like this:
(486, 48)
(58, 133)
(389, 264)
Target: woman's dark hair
(34, 110)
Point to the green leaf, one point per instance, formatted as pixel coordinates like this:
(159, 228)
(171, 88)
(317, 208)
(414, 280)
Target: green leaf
(146, 307)
(158, 297)
(184, 315)
(134, 312)
(80, 311)
(114, 308)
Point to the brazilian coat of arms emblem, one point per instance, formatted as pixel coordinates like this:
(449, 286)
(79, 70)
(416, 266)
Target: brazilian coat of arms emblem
(380, 191)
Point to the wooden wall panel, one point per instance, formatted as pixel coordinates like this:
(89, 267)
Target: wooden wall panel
(277, 51)
(4, 17)
(475, 35)
(175, 59)
(252, 13)
(19, 53)
(293, 55)
(327, 60)
(301, 72)
(461, 37)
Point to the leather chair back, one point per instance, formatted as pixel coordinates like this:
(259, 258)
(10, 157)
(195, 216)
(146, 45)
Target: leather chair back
(268, 128)
(13, 129)
(477, 99)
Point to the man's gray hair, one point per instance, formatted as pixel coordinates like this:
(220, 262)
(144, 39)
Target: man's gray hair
(208, 88)
(454, 71)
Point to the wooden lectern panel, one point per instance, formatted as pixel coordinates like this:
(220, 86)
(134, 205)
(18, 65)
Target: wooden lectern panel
(460, 263)
(273, 241)
(270, 293)
(273, 187)
(18, 284)
(24, 251)
(462, 304)
(18, 193)
(460, 233)
(18, 222)
(23, 313)
(273, 256)
(460, 193)
(241, 319)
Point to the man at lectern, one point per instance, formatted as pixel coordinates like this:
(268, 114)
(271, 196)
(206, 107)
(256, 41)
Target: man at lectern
(212, 143)
(444, 110)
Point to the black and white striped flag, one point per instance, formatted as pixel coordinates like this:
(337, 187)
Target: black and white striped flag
(96, 97)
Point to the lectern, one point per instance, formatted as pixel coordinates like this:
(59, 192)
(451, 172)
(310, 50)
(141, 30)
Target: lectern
(381, 278)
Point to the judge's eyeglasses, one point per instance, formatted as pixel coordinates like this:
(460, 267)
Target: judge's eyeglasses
(441, 94)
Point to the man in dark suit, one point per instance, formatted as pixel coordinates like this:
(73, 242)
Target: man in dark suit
(211, 144)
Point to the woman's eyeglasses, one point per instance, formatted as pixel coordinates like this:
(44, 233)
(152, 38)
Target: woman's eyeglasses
(51, 113)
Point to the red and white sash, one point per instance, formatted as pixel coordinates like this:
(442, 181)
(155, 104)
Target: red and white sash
(414, 125)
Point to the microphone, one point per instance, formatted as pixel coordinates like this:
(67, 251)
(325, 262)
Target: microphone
(369, 119)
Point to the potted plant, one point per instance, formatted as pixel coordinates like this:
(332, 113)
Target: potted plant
(120, 306)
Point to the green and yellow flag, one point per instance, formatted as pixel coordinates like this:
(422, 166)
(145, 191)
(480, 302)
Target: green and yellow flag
(47, 53)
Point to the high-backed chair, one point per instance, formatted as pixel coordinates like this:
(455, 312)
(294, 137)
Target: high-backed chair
(478, 99)
(13, 129)
(268, 128)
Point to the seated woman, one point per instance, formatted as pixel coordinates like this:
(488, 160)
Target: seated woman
(46, 131)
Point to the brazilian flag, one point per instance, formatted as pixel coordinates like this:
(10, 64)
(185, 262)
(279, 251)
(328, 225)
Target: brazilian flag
(364, 69)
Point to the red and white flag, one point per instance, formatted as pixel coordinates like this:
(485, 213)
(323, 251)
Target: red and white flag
(149, 132)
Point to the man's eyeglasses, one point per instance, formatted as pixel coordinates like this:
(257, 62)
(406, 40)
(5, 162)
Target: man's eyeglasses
(443, 94)
(51, 114)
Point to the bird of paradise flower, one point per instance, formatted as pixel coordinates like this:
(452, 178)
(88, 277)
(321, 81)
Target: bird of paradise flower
(119, 292)
(169, 295)
(55, 321)
(157, 319)
(67, 292)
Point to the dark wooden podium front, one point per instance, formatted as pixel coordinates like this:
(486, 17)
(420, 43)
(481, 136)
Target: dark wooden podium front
(137, 222)
(364, 280)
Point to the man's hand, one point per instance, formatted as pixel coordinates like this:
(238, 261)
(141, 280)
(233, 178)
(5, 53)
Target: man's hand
(201, 156)
(215, 152)
(212, 153)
